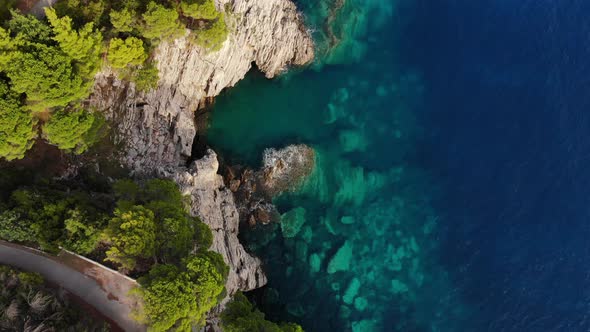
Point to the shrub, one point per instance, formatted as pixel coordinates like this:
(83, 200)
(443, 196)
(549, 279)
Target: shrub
(146, 77)
(122, 21)
(213, 35)
(74, 130)
(123, 53)
(199, 9)
(161, 23)
(241, 316)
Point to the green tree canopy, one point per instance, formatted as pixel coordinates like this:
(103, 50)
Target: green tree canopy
(123, 53)
(199, 9)
(177, 233)
(73, 130)
(132, 235)
(83, 46)
(46, 76)
(178, 299)
(26, 29)
(84, 11)
(241, 316)
(161, 23)
(123, 20)
(52, 219)
(213, 35)
(81, 235)
(17, 127)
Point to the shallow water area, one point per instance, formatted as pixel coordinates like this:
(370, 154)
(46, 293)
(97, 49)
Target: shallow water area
(356, 249)
(451, 184)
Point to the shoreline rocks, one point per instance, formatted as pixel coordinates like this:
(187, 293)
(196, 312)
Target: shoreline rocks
(282, 170)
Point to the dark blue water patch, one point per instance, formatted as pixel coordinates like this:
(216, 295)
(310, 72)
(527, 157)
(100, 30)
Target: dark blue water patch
(508, 97)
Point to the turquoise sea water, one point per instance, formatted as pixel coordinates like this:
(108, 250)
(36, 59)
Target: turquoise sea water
(451, 187)
(363, 254)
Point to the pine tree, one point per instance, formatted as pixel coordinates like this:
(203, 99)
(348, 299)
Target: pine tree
(83, 46)
(123, 53)
(161, 23)
(73, 130)
(17, 126)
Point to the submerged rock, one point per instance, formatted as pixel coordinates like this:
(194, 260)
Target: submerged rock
(292, 221)
(315, 263)
(341, 260)
(351, 291)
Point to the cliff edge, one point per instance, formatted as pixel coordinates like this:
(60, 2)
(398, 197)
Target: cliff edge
(156, 129)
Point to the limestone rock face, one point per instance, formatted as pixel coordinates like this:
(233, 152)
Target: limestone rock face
(214, 204)
(158, 128)
(155, 130)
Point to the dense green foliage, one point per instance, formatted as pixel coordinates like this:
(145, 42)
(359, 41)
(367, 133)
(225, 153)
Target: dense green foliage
(123, 20)
(199, 9)
(73, 130)
(50, 64)
(53, 218)
(177, 233)
(83, 46)
(46, 76)
(161, 23)
(26, 304)
(213, 36)
(132, 234)
(179, 298)
(241, 316)
(17, 126)
(45, 66)
(49, 75)
(123, 53)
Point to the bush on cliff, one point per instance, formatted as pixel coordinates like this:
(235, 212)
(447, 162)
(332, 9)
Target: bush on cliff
(199, 9)
(73, 130)
(212, 36)
(128, 52)
(132, 235)
(241, 316)
(161, 23)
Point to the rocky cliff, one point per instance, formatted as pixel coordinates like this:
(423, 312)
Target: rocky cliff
(214, 204)
(156, 129)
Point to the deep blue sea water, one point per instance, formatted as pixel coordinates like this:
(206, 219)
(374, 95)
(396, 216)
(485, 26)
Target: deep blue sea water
(508, 100)
(455, 131)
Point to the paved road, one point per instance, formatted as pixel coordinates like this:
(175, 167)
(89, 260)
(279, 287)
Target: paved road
(103, 289)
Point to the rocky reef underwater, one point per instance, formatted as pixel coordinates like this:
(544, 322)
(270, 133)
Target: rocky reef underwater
(356, 245)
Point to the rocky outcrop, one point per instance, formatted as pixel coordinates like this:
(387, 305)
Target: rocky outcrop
(214, 204)
(285, 169)
(282, 170)
(157, 128)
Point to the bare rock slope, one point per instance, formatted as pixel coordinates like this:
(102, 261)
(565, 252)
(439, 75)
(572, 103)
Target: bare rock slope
(157, 129)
